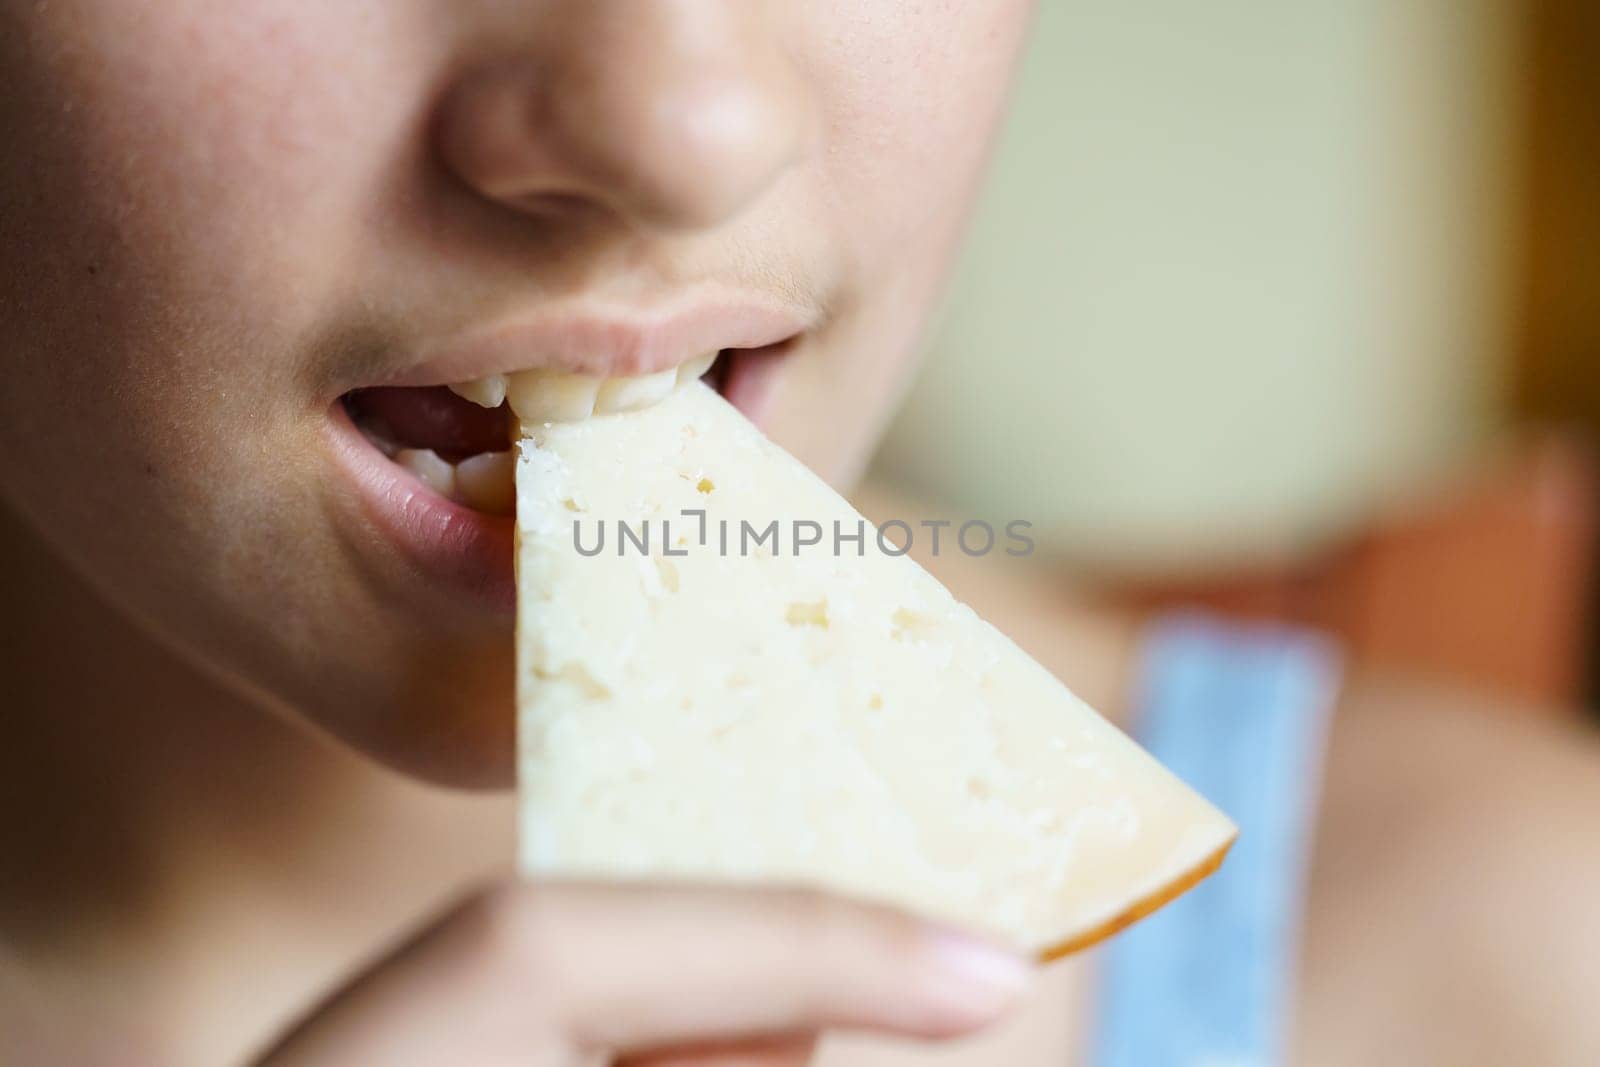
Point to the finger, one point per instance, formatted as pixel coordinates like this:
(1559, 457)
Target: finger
(537, 969)
(647, 968)
(781, 1052)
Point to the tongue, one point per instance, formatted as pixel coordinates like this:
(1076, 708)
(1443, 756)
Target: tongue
(433, 417)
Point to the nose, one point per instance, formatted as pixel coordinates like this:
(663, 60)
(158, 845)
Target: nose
(665, 113)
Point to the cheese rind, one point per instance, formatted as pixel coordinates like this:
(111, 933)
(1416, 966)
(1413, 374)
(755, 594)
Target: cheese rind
(718, 708)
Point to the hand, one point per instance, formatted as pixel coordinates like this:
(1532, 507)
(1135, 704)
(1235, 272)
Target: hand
(567, 975)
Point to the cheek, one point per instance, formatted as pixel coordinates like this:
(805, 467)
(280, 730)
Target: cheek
(179, 183)
(915, 92)
(191, 169)
(176, 223)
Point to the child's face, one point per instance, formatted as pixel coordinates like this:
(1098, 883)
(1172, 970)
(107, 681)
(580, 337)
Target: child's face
(221, 216)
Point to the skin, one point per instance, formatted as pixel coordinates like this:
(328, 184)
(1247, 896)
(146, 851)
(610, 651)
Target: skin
(217, 216)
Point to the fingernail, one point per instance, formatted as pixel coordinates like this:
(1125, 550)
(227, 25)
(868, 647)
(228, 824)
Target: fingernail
(977, 980)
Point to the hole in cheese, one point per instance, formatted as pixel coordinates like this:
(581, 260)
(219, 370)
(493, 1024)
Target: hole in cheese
(802, 613)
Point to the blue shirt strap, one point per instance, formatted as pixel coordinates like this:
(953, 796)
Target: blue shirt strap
(1242, 716)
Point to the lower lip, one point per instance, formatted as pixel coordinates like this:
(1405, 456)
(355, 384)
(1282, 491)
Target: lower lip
(469, 551)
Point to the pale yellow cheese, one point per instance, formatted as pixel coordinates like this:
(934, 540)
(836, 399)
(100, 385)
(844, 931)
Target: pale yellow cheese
(823, 715)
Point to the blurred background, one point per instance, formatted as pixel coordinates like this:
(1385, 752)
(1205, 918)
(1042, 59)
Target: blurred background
(1293, 312)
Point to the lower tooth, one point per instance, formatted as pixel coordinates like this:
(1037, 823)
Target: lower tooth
(484, 482)
(377, 432)
(430, 468)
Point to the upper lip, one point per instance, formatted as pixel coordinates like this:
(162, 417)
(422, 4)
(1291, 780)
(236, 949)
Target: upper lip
(605, 340)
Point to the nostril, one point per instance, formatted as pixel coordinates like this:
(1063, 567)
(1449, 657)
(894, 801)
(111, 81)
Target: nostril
(488, 135)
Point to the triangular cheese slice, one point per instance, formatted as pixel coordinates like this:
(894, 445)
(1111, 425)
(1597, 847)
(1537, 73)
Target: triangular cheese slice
(731, 707)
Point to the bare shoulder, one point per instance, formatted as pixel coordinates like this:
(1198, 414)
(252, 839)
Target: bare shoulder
(1454, 914)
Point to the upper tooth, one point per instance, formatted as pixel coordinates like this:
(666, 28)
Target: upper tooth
(554, 396)
(430, 467)
(487, 392)
(696, 368)
(631, 394)
(551, 396)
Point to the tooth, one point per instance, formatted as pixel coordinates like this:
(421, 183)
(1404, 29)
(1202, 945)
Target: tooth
(631, 394)
(484, 482)
(551, 396)
(377, 431)
(696, 368)
(426, 464)
(485, 392)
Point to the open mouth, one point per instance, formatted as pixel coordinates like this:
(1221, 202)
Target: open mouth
(458, 439)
